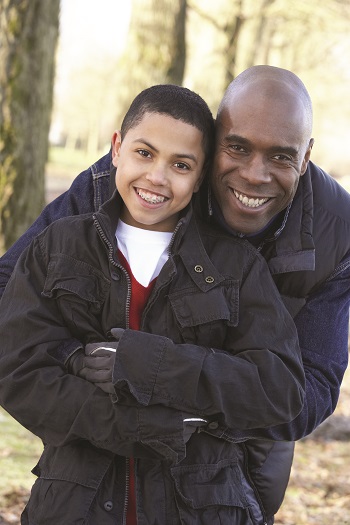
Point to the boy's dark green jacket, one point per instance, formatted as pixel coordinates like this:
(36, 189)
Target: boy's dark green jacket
(215, 342)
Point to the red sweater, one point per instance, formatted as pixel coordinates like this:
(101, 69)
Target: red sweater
(138, 300)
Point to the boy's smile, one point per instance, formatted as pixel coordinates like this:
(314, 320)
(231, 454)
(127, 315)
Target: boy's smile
(159, 166)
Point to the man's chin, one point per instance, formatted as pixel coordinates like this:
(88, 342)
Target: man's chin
(250, 226)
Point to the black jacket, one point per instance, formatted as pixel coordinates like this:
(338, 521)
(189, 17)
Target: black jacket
(215, 341)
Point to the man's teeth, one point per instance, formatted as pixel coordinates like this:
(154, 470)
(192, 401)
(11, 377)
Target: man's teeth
(150, 197)
(249, 202)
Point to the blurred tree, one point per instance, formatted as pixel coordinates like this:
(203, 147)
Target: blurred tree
(28, 36)
(157, 39)
(156, 48)
(229, 23)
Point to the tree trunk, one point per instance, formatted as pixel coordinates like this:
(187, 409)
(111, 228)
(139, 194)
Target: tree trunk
(232, 31)
(177, 55)
(157, 41)
(28, 37)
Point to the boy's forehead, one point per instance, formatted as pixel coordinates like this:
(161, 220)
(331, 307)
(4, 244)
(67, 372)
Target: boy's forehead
(165, 132)
(165, 124)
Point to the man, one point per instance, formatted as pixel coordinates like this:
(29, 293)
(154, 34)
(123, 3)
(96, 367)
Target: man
(293, 212)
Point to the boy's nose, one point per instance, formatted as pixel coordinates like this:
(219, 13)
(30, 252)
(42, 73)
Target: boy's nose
(157, 175)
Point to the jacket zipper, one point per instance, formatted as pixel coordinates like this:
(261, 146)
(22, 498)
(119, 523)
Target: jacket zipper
(127, 316)
(116, 265)
(127, 483)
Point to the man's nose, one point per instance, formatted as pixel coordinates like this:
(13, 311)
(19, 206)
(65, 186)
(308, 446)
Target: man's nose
(256, 171)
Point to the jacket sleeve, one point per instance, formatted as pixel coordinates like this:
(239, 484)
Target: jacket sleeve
(323, 329)
(255, 381)
(60, 408)
(80, 198)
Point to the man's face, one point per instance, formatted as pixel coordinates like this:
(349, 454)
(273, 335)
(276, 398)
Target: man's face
(159, 166)
(261, 152)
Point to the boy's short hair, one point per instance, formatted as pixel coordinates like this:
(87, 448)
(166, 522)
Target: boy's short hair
(177, 102)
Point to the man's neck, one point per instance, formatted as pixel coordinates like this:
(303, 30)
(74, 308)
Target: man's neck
(255, 238)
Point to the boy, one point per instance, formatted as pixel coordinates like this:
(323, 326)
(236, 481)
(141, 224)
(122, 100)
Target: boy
(201, 336)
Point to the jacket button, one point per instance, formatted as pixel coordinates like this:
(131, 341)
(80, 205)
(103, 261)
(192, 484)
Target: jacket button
(209, 279)
(108, 506)
(198, 268)
(115, 276)
(213, 425)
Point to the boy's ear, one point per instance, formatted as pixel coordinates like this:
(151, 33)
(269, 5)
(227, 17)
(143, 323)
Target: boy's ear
(116, 143)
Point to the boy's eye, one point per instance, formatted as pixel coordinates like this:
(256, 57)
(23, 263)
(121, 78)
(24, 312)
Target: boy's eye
(182, 166)
(144, 153)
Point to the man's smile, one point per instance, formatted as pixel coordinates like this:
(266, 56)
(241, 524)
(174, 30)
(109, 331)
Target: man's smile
(249, 202)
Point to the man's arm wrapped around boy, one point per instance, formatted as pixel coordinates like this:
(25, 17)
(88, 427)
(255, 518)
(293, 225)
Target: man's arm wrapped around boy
(256, 382)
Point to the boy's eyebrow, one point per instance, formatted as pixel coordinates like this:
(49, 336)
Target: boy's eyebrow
(181, 155)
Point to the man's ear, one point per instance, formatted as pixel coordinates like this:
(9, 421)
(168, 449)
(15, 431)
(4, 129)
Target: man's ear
(116, 143)
(306, 157)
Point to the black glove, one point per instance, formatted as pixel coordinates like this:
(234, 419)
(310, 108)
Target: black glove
(98, 362)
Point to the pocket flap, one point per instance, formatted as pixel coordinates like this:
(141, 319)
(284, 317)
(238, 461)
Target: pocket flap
(79, 463)
(66, 274)
(193, 308)
(204, 485)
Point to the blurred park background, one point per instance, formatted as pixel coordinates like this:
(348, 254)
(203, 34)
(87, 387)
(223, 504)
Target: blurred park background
(68, 71)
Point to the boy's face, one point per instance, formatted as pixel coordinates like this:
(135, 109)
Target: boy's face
(159, 166)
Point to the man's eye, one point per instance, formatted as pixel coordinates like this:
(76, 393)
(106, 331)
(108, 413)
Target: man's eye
(282, 157)
(237, 147)
(181, 166)
(144, 153)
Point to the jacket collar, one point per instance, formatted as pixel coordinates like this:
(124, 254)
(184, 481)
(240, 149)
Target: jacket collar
(189, 247)
(289, 233)
(294, 247)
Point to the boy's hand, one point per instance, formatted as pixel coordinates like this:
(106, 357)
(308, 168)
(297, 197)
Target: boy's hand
(98, 365)
(97, 362)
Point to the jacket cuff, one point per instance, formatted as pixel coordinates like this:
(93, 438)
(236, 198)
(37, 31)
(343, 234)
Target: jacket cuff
(137, 363)
(66, 349)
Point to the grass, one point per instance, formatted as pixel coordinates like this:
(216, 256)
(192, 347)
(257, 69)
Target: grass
(19, 453)
(71, 158)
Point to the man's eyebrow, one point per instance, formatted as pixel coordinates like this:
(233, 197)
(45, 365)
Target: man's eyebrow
(288, 150)
(179, 155)
(236, 138)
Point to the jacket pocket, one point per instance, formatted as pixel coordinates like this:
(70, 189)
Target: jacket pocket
(78, 288)
(66, 275)
(211, 494)
(203, 317)
(69, 478)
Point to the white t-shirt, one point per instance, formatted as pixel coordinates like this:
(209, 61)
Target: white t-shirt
(146, 251)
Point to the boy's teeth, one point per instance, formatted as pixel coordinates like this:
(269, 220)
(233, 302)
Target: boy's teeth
(249, 202)
(150, 197)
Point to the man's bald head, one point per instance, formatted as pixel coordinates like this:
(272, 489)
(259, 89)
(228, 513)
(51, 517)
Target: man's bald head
(263, 146)
(271, 83)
